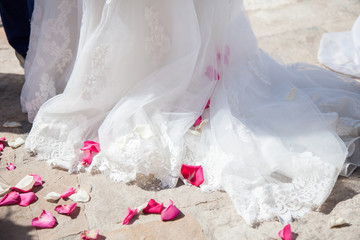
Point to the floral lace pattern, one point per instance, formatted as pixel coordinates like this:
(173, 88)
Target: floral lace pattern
(57, 150)
(97, 78)
(46, 91)
(157, 42)
(52, 57)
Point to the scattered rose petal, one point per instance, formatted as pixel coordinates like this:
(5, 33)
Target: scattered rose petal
(46, 220)
(141, 208)
(80, 196)
(207, 104)
(11, 198)
(25, 185)
(10, 166)
(16, 142)
(153, 207)
(52, 197)
(196, 133)
(11, 125)
(87, 159)
(27, 198)
(144, 131)
(2, 145)
(291, 95)
(68, 193)
(212, 74)
(129, 216)
(285, 233)
(91, 146)
(193, 174)
(170, 212)
(66, 209)
(4, 188)
(198, 121)
(38, 180)
(201, 125)
(337, 222)
(89, 234)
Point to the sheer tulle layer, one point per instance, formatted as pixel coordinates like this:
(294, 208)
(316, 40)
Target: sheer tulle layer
(341, 51)
(271, 138)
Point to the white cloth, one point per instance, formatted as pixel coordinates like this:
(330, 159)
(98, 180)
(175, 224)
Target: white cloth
(341, 51)
(144, 73)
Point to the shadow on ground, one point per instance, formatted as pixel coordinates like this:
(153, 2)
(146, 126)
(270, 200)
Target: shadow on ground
(10, 108)
(10, 230)
(341, 192)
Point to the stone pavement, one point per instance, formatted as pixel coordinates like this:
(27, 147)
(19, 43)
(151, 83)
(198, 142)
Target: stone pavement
(289, 30)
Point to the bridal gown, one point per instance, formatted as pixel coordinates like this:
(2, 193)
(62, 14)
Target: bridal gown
(341, 51)
(274, 137)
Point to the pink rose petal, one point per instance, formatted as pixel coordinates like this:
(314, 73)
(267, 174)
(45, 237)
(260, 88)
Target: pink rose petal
(170, 212)
(68, 193)
(38, 180)
(212, 74)
(207, 104)
(129, 216)
(25, 184)
(66, 209)
(153, 207)
(11, 198)
(198, 121)
(27, 198)
(91, 146)
(2, 145)
(285, 233)
(46, 220)
(10, 166)
(87, 159)
(89, 234)
(193, 174)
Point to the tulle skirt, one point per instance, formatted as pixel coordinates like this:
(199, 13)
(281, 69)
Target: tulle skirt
(274, 137)
(341, 51)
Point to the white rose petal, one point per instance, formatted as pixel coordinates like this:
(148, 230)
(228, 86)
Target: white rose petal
(26, 184)
(336, 222)
(11, 125)
(52, 196)
(80, 196)
(16, 142)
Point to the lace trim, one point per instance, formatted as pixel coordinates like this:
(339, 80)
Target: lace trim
(51, 144)
(134, 154)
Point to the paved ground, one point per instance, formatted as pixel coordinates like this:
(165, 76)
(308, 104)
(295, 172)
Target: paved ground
(289, 30)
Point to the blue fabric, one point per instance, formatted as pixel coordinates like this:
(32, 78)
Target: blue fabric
(15, 16)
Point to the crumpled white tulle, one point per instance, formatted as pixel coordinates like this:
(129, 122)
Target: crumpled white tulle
(144, 73)
(341, 51)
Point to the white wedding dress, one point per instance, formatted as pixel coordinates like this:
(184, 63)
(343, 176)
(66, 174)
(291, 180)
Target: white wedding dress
(341, 51)
(275, 138)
